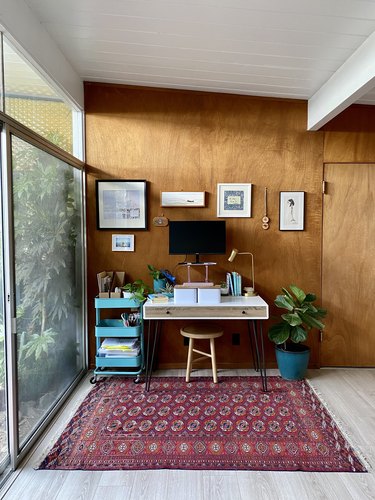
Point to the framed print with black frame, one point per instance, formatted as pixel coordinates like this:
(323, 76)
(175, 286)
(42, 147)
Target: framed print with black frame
(121, 204)
(292, 211)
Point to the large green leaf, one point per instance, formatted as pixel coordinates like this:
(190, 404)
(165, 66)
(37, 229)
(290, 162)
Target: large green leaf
(298, 334)
(322, 312)
(292, 319)
(284, 302)
(288, 294)
(279, 333)
(299, 294)
(312, 322)
(310, 297)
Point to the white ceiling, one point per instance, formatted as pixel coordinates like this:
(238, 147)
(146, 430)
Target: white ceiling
(275, 48)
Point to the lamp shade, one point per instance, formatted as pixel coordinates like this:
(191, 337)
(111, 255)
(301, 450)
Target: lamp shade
(233, 254)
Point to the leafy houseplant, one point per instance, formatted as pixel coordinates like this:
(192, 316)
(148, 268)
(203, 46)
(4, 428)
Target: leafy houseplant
(168, 290)
(138, 289)
(158, 276)
(301, 316)
(161, 277)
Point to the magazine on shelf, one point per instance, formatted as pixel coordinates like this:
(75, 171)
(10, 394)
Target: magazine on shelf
(119, 347)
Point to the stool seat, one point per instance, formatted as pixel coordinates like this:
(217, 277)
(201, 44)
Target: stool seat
(198, 331)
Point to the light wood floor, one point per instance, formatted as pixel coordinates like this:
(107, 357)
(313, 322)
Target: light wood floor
(348, 393)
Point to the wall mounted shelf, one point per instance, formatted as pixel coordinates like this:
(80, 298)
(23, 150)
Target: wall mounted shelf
(183, 199)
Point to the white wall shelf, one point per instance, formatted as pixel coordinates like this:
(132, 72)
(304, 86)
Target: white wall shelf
(183, 199)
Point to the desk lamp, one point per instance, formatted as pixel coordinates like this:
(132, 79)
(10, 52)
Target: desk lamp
(249, 291)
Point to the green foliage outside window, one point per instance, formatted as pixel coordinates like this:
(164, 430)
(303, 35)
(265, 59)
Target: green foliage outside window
(46, 220)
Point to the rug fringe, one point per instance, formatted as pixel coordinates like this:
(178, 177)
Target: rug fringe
(341, 426)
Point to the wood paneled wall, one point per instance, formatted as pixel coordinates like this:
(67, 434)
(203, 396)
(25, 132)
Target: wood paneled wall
(191, 141)
(350, 137)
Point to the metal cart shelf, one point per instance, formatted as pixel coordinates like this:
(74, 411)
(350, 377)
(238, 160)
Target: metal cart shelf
(114, 328)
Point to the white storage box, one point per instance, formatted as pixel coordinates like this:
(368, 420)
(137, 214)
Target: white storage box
(209, 295)
(185, 295)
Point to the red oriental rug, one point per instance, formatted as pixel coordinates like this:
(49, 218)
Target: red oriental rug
(231, 425)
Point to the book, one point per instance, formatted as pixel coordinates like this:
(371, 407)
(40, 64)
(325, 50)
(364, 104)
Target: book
(230, 284)
(158, 298)
(119, 347)
(235, 283)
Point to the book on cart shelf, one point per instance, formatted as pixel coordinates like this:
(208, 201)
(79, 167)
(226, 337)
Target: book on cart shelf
(119, 347)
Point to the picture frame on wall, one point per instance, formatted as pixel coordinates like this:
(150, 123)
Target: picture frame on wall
(121, 204)
(122, 242)
(234, 200)
(292, 211)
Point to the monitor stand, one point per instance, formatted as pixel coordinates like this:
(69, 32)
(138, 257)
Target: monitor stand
(204, 283)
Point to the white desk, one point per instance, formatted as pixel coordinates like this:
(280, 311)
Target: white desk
(253, 309)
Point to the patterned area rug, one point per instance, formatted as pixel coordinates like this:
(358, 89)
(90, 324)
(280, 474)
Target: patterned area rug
(231, 425)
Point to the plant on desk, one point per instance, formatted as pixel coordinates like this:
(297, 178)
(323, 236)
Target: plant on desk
(168, 290)
(158, 276)
(301, 316)
(138, 289)
(161, 278)
(224, 290)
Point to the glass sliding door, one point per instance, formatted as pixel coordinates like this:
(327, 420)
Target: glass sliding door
(4, 448)
(48, 274)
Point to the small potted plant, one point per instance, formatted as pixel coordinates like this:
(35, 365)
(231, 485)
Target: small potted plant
(137, 290)
(161, 277)
(158, 276)
(301, 316)
(168, 290)
(224, 290)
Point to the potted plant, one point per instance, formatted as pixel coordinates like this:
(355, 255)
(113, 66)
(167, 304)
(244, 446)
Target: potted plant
(161, 278)
(224, 290)
(168, 290)
(158, 276)
(137, 290)
(301, 316)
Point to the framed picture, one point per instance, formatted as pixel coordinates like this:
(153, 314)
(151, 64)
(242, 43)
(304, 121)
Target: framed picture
(121, 204)
(292, 210)
(122, 242)
(234, 200)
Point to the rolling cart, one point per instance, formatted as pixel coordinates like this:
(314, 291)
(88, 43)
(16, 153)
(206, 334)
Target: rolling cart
(114, 329)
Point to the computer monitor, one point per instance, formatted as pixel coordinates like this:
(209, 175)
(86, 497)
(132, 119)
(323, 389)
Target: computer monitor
(196, 237)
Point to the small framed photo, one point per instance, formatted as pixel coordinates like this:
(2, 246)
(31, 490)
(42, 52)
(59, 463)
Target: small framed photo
(292, 210)
(121, 204)
(122, 242)
(234, 200)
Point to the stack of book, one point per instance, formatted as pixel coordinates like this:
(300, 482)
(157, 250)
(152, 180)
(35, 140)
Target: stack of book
(119, 348)
(234, 282)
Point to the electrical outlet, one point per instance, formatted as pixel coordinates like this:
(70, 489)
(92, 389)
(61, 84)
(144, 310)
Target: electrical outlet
(235, 339)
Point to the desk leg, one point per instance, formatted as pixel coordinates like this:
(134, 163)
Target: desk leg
(150, 351)
(259, 350)
(253, 353)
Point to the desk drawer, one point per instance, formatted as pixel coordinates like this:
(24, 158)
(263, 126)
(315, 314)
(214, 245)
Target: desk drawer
(201, 312)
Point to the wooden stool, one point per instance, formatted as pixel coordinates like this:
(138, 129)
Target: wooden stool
(201, 331)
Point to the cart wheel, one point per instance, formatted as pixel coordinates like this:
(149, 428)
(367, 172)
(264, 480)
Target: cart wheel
(137, 379)
(93, 380)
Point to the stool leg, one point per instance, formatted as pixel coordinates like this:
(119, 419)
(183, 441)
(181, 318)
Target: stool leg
(213, 360)
(189, 359)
